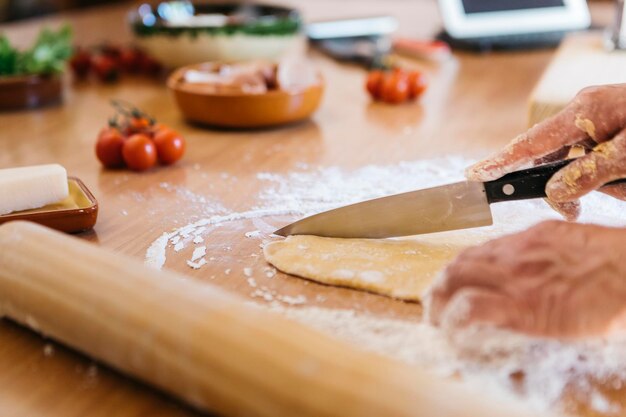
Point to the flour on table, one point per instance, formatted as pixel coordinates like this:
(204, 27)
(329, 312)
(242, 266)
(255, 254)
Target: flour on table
(198, 253)
(501, 363)
(197, 265)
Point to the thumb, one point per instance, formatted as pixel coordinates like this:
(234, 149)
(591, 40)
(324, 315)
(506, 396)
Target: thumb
(607, 162)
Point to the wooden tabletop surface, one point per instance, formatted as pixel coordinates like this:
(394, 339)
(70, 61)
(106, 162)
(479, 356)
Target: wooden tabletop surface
(475, 103)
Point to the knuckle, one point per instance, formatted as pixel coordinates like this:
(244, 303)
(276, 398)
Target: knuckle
(588, 98)
(588, 94)
(545, 228)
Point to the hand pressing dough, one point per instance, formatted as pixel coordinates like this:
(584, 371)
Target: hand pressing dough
(397, 268)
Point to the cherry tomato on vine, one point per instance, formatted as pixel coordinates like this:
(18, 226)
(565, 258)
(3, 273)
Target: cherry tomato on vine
(80, 63)
(109, 147)
(105, 68)
(169, 144)
(149, 65)
(139, 152)
(129, 60)
(396, 85)
(138, 124)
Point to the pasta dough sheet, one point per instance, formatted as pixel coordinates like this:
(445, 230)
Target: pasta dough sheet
(401, 269)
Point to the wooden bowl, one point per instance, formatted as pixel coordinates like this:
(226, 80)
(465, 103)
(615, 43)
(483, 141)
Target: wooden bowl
(240, 110)
(29, 91)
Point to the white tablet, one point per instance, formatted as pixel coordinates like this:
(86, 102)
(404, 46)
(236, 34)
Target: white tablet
(483, 18)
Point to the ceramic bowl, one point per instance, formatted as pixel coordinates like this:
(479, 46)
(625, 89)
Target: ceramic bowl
(29, 91)
(180, 33)
(77, 213)
(241, 110)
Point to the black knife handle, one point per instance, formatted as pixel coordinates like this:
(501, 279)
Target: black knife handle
(526, 184)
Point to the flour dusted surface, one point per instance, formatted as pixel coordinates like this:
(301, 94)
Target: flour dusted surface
(548, 374)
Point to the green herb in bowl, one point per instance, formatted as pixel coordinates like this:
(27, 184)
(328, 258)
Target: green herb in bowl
(48, 55)
(32, 78)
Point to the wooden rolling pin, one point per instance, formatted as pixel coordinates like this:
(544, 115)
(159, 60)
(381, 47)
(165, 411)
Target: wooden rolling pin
(203, 345)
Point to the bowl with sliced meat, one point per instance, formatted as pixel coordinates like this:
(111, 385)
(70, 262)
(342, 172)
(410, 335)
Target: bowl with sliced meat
(247, 95)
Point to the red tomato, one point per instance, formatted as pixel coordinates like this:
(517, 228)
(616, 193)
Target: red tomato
(105, 68)
(417, 84)
(374, 83)
(109, 147)
(139, 152)
(149, 65)
(129, 60)
(395, 88)
(170, 145)
(80, 62)
(111, 50)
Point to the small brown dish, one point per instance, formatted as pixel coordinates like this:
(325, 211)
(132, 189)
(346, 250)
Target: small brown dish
(77, 213)
(242, 110)
(29, 91)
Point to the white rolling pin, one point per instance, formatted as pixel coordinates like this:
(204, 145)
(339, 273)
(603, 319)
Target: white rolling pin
(203, 345)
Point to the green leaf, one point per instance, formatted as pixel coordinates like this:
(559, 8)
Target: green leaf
(48, 54)
(8, 57)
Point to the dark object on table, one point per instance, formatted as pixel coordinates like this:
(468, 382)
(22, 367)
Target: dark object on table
(23, 9)
(370, 52)
(77, 213)
(366, 41)
(29, 91)
(504, 42)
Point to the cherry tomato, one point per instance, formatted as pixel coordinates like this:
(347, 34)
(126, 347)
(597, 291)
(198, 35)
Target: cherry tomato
(149, 65)
(139, 152)
(111, 50)
(417, 84)
(129, 60)
(395, 88)
(109, 147)
(80, 63)
(170, 145)
(105, 68)
(374, 83)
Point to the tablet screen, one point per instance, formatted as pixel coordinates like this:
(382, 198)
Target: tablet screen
(483, 6)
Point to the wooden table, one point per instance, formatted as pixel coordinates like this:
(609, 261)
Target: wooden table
(475, 104)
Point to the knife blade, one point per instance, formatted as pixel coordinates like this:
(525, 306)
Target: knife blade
(455, 206)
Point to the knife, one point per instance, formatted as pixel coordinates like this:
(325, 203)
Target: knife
(461, 205)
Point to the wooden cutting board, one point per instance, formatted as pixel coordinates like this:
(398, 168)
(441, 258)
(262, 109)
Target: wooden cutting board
(580, 62)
